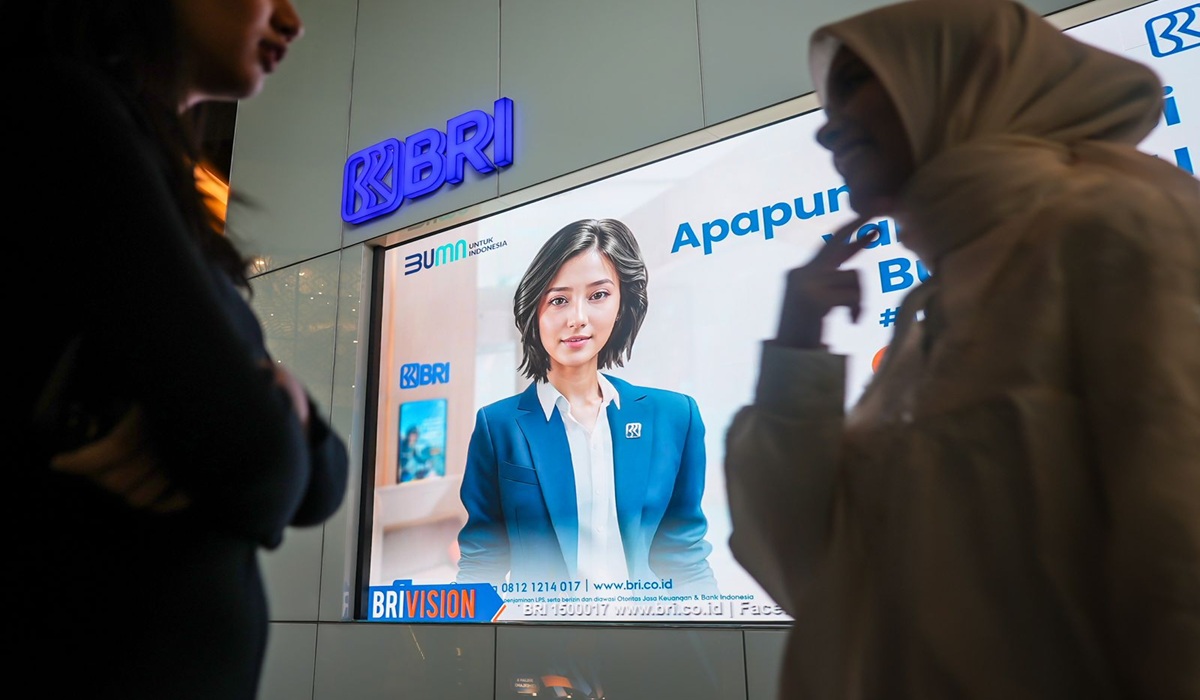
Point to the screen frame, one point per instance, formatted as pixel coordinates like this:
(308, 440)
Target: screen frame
(806, 104)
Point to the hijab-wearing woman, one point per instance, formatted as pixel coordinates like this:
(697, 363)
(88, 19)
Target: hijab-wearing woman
(1012, 509)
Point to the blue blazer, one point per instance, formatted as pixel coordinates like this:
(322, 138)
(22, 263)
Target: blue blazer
(519, 491)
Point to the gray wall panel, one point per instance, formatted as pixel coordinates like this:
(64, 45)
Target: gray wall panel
(349, 382)
(764, 660)
(290, 143)
(755, 53)
(1046, 7)
(298, 307)
(378, 661)
(288, 669)
(627, 663)
(292, 575)
(417, 65)
(594, 80)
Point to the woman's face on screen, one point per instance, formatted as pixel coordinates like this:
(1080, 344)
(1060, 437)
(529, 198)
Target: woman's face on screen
(577, 313)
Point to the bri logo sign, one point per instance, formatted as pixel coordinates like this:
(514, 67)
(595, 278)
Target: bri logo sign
(415, 374)
(1174, 32)
(377, 179)
(404, 601)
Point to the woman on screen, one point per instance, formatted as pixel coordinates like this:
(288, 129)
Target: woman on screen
(583, 475)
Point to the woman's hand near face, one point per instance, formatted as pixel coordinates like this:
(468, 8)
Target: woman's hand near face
(124, 463)
(818, 286)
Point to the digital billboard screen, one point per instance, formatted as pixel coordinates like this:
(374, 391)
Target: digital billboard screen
(491, 500)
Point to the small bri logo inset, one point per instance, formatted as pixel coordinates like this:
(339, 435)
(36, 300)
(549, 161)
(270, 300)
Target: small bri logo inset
(415, 374)
(1175, 31)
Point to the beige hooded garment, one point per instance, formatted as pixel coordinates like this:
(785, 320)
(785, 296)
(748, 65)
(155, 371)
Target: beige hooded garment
(1012, 509)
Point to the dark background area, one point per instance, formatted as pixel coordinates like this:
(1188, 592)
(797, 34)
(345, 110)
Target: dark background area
(216, 127)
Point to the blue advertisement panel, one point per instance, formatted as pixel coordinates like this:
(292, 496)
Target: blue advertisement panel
(691, 286)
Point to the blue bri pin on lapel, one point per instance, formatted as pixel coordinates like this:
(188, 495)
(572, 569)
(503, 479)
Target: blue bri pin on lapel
(633, 430)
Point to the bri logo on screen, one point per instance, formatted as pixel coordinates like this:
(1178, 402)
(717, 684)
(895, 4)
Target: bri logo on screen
(415, 374)
(404, 601)
(377, 179)
(1175, 31)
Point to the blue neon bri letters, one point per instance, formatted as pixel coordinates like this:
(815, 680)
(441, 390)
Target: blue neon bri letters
(378, 178)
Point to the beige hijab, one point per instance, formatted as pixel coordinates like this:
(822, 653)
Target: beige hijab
(999, 106)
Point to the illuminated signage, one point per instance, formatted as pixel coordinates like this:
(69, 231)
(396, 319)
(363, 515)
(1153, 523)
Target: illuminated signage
(377, 179)
(415, 374)
(404, 601)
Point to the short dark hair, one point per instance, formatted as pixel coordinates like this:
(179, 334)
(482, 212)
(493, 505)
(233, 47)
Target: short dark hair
(136, 43)
(615, 241)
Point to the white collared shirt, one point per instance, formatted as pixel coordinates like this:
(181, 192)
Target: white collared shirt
(601, 554)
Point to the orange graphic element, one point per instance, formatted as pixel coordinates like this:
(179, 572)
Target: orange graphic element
(877, 359)
(556, 682)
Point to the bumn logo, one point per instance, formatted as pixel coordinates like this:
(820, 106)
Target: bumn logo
(440, 255)
(1174, 32)
(379, 177)
(415, 374)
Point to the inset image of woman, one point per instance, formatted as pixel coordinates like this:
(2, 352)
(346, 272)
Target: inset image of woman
(583, 475)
